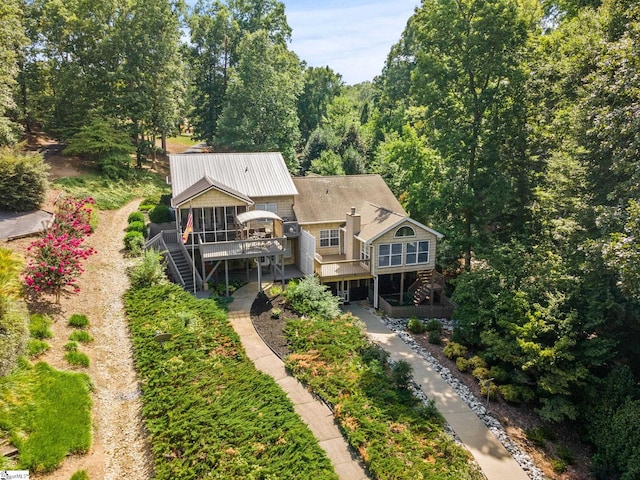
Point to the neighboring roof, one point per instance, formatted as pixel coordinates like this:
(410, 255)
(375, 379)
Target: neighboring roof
(370, 235)
(329, 199)
(250, 174)
(203, 185)
(257, 215)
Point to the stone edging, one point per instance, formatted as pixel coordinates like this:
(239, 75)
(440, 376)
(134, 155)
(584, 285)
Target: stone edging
(398, 326)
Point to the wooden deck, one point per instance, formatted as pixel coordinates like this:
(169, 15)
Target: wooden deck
(263, 247)
(337, 267)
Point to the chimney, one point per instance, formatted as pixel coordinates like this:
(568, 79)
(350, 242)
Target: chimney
(352, 246)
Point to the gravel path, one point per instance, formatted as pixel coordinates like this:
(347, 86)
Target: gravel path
(120, 446)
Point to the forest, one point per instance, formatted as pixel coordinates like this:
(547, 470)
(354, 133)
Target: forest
(511, 127)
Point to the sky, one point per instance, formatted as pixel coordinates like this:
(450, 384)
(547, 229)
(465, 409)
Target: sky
(352, 37)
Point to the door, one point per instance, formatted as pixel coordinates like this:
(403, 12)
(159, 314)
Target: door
(343, 291)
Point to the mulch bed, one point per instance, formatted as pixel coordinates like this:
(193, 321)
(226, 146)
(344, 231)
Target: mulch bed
(269, 328)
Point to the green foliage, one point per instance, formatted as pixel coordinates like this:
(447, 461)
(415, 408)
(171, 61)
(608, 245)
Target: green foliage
(453, 350)
(110, 194)
(559, 465)
(435, 337)
(276, 312)
(133, 242)
(517, 393)
(137, 227)
(71, 346)
(415, 325)
(200, 384)
(77, 359)
(39, 324)
(434, 325)
(78, 320)
(136, 216)
(148, 271)
(392, 430)
(275, 291)
(160, 214)
(309, 297)
(566, 454)
(80, 475)
(329, 163)
(14, 326)
(81, 336)
(36, 347)
(462, 364)
(23, 180)
(11, 265)
(47, 414)
(539, 436)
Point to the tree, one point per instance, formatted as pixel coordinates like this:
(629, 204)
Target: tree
(260, 107)
(23, 180)
(321, 86)
(12, 39)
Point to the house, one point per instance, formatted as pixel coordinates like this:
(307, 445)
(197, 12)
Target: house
(243, 211)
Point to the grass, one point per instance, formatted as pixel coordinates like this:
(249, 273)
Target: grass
(80, 475)
(205, 405)
(46, 413)
(36, 347)
(396, 434)
(39, 326)
(77, 359)
(184, 140)
(81, 336)
(112, 194)
(78, 320)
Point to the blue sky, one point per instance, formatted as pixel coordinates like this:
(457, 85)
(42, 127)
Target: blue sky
(352, 37)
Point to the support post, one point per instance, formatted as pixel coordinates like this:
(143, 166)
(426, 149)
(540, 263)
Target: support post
(226, 275)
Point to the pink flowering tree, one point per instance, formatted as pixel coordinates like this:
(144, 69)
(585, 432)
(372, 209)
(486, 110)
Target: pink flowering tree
(56, 259)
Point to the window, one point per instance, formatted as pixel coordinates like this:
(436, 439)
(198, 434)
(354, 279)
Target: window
(329, 238)
(405, 232)
(364, 251)
(269, 207)
(417, 252)
(390, 255)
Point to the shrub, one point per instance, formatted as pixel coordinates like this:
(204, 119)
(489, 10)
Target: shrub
(133, 242)
(137, 227)
(78, 320)
(160, 214)
(80, 475)
(81, 336)
(435, 338)
(11, 264)
(36, 347)
(415, 325)
(276, 312)
(309, 297)
(275, 290)
(76, 358)
(434, 325)
(566, 454)
(148, 271)
(39, 326)
(71, 346)
(499, 374)
(477, 362)
(14, 328)
(539, 435)
(462, 364)
(136, 217)
(559, 465)
(516, 393)
(489, 388)
(401, 372)
(481, 373)
(23, 180)
(454, 350)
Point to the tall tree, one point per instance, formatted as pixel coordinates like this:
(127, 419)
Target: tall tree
(260, 107)
(321, 86)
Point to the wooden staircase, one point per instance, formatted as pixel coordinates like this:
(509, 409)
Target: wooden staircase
(426, 285)
(184, 266)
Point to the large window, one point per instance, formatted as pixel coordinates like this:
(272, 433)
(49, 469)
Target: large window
(329, 238)
(417, 252)
(269, 207)
(389, 254)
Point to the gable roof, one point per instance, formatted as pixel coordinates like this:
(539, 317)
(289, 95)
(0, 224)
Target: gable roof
(398, 223)
(329, 199)
(203, 185)
(249, 174)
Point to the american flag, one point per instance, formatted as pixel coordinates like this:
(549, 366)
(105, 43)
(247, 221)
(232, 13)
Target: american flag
(189, 227)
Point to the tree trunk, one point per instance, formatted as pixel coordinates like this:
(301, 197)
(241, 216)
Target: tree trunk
(164, 143)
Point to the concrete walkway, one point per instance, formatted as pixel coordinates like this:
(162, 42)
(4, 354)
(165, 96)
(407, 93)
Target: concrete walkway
(494, 460)
(313, 412)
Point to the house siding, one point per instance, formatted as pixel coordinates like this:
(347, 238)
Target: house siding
(214, 198)
(315, 231)
(389, 237)
(285, 205)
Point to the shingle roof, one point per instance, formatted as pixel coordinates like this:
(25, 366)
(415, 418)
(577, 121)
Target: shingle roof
(250, 174)
(329, 199)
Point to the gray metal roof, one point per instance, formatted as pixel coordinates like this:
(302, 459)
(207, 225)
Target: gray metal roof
(201, 186)
(251, 174)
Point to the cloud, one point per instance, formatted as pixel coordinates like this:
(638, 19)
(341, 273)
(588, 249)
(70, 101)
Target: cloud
(352, 39)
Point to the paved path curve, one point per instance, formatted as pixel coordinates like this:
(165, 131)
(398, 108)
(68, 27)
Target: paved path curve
(492, 457)
(313, 412)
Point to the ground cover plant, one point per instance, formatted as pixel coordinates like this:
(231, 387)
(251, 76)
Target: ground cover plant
(111, 194)
(397, 435)
(205, 405)
(78, 320)
(46, 414)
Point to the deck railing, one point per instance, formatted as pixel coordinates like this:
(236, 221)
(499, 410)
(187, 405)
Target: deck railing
(159, 245)
(243, 248)
(326, 268)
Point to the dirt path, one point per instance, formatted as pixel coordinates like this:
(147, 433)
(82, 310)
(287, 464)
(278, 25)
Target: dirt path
(120, 448)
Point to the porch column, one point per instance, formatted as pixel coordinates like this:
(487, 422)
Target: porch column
(375, 292)
(226, 275)
(401, 288)
(259, 276)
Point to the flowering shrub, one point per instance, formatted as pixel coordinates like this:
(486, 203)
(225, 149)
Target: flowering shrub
(56, 259)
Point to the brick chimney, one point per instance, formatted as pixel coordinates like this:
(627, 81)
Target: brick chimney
(351, 245)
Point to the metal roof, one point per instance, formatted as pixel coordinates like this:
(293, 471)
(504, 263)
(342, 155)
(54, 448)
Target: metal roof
(251, 174)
